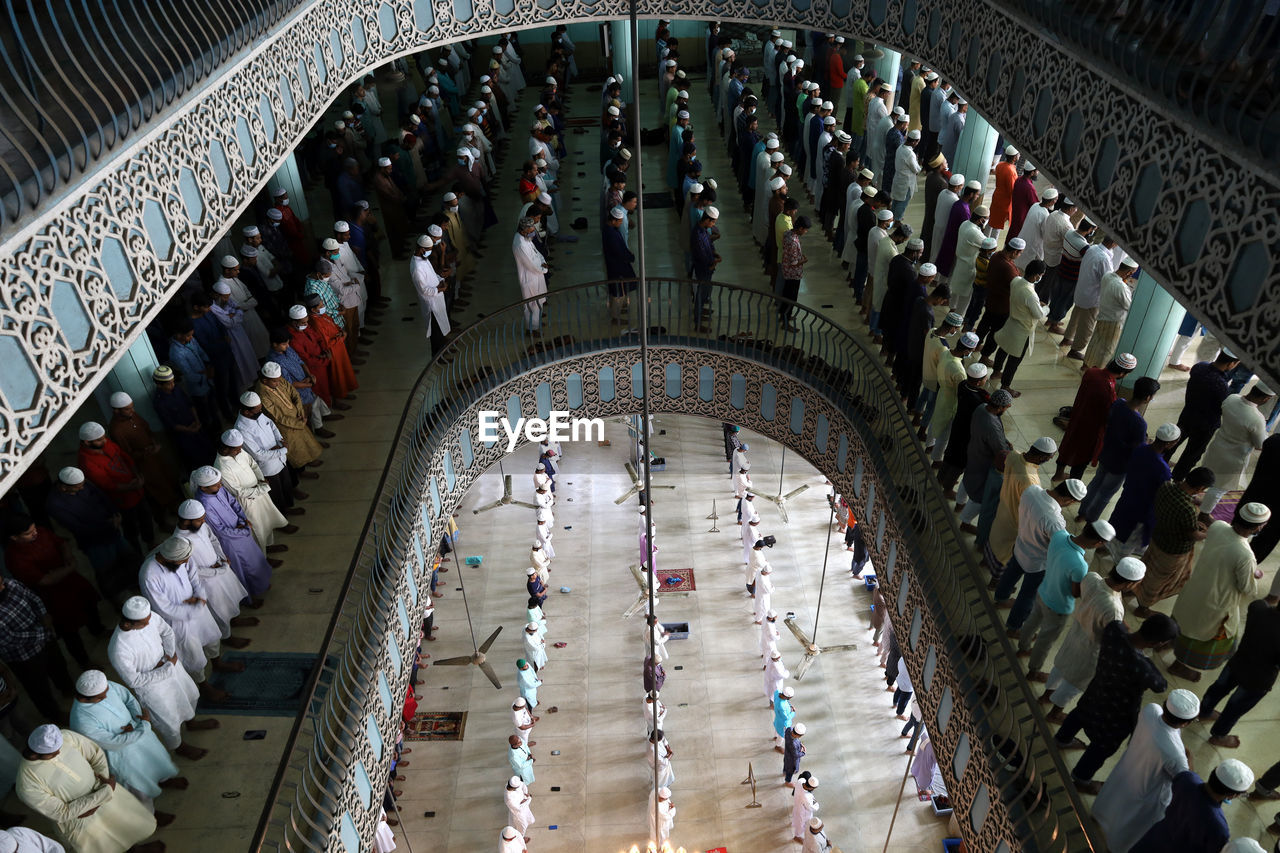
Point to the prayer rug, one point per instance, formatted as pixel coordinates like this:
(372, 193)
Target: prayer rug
(273, 684)
(1226, 508)
(436, 725)
(657, 201)
(675, 580)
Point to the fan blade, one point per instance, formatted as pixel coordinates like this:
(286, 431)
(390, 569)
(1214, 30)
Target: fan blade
(484, 647)
(488, 670)
(800, 635)
(462, 661)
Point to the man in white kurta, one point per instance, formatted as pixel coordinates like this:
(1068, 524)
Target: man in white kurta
(877, 111)
(775, 672)
(521, 720)
(942, 213)
(660, 637)
(968, 242)
(740, 460)
(1099, 605)
(19, 839)
(244, 479)
(1032, 232)
(815, 840)
(666, 776)
(65, 775)
(144, 652)
(532, 269)
(519, 813)
(1242, 431)
(511, 841)
(541, 562)
(666, 815)
(427, 284)
(655, 713)
(172, 586)
(223, 590)
(110, 716)
(769, 634)
(1140, 787)
(803, 804)
(764, 595)
(535, 648)
(253, 325)
(543, 534)
(756, 562)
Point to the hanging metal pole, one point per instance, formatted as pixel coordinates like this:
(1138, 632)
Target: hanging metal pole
(822, 583)
(782, 466)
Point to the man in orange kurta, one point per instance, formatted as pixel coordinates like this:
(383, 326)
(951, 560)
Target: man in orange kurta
(1002, 198)
(342, 376)
(131, 431)
(113, 471)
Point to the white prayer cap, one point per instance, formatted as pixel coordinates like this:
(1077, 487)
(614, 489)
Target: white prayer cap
(91, 431)
(229, 261)
(787, 43)
(274, 214)
(930, 76)
(1027, 166)
(190, 510)
(425, 241)
(384, 161)
(1261, 387)
(776, 655)
(271, 369)
(532, 626)
(206, 475)
(509, 833)
(772, 614)
(222, 288)
(775, 33)
(664, 793)
(1255, 513)
(829, 121)
(981, 210)
(540, 162)
(71, 476)
(766, 569)
(514, 782)
(961, 101)
(1016, 243)
(927, 270)
(839, 39)
(1010, 151)
(827, 105)
(777, 157)
(777, 183)
(815, 823)
(435, 231)
(682, 114)
(808, 85)
(279, 191)
(1243, 845)
(91, 682)
(531, 571)
(671, 63)
(772, 144)
(682, 93)
(1131, 568)
(248, 252)
(250, 231)
(888, 87)
(120, 399)
(798, 728)
(788, 692)
(486, 90)
(866, 173)
(785, 169)
(1234, 775)
(232, 438)
(250, 399)
(1168, 432)
(341, 226)
(520, 702)
(974, 185)
(884, 214)
(712, 211)
(694, 188)
(811, 782)
(1183, 704)
(624, 153)
(988, 242)
(1104, 529)
(953, 320)
(912, 134)
(970, 340)
(899, 114)
(956, 180)
(469, 128)
(1129, 262)
(450, 197)
(1050, 194)
(1077, 489)
(614, 111)
(1045, 444)
(1127, 360)
(977, 370)
(175, 548)
(330, 244)
(857, 57)
(542, 467)
(45, 740)
(136, 607)
(544, 198)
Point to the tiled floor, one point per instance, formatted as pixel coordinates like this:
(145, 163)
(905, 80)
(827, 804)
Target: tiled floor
(718, 721)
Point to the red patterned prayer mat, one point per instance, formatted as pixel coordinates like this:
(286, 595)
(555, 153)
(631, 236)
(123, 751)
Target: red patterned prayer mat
(436, 725)
(675, 580)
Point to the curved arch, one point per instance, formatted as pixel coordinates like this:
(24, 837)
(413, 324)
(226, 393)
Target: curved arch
(816, 391)
(141, 223)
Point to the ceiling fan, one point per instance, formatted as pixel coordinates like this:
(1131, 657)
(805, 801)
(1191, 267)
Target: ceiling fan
(478, 653)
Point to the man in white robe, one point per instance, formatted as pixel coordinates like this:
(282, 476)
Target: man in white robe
(750, 533)
(769, 634)
(852, 201)
(942, 213)
(535, 648)
(19, 839)
(223, 589)
(815, 840)
(1032, 231)
(665, 814)
(655, 713)
(803, 804)
(542, 563)
(350, 263)
(764, 595)
(664, 752)
(511, 841)
(522, 720)
(532, 268)
(110, 716)
(264, 442)
(660, 636)
(1241, 433)
(173, 587)
(543, 534)
(236, 471)
(253, 325)
(65, 777)
(430, 289)
(1140, 787)
(144, 652)
(517, 799)
(775, 672)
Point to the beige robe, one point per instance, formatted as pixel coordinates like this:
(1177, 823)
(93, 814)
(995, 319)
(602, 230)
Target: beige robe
(1220, 588)
(284, 406)
(1018, 475)
(242, 476)
(65, 786)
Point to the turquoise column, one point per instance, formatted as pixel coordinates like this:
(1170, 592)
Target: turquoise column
(132, 375)
(974, 150)
(620, 37)
(289, 178)
(1152, 325)
(887, 69)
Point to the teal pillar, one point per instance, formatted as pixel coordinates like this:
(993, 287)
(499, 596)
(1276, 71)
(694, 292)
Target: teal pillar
(620, 41)
(289, 178)
(132, 375)
(1152, 325)
(974, 151)
(887, 69)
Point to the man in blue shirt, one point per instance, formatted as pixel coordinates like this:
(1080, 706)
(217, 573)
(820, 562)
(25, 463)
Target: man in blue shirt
(704, 264)
(1193, 821)
(1126, 431)
(1148, 470)
(1207, 387)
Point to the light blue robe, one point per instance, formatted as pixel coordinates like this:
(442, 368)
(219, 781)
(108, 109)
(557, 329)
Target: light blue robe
(783, 714)
(528, 685)
(136, 758)
(675, 151)
(521, 763)
(223, 512)
(536, 615)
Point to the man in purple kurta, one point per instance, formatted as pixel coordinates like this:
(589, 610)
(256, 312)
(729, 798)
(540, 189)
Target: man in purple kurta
(960, 214)
(225, 515)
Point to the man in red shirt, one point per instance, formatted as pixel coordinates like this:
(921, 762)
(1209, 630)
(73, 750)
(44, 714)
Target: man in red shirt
(836, 72)
(1084, 431)
(113, 471)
